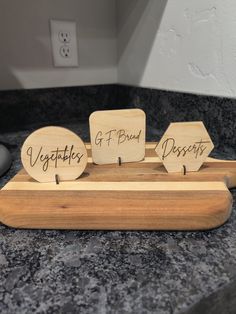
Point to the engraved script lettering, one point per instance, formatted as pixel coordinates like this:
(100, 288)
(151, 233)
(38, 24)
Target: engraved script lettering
(51, 159)
(169, 147)
(116, 137)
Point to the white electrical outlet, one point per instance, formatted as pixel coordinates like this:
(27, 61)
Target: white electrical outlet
(64, 43)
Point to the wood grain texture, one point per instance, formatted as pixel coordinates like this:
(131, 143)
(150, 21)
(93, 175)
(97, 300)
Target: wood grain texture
(54, 151)
(134, 196)
(184, 144)
(117, 134)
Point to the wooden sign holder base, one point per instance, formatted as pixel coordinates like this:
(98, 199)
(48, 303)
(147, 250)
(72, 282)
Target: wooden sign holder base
(129, 196)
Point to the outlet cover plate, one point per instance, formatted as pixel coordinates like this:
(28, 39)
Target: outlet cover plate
(64, 43)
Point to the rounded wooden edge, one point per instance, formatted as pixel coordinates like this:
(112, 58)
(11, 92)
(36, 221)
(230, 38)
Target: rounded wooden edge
(66, 130)
(210, 218)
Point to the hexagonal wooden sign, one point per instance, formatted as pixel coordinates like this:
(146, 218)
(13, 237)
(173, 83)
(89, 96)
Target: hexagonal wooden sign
(184, 146)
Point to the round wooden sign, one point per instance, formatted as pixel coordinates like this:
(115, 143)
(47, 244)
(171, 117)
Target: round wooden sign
(54, 154)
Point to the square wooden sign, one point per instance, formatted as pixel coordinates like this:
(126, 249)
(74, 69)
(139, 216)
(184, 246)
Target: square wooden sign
(117, 135)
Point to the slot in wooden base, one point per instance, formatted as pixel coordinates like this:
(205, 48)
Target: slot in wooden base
(133, 196)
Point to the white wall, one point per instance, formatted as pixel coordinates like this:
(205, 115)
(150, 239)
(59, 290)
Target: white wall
(183, 45)
(25, 47)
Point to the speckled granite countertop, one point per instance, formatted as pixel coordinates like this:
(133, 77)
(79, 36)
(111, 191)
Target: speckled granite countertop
(116, 272)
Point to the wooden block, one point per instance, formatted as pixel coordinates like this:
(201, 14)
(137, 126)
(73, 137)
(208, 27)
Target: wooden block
(54, 154)
(184, 146)
(134, 196)
(117, 135)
